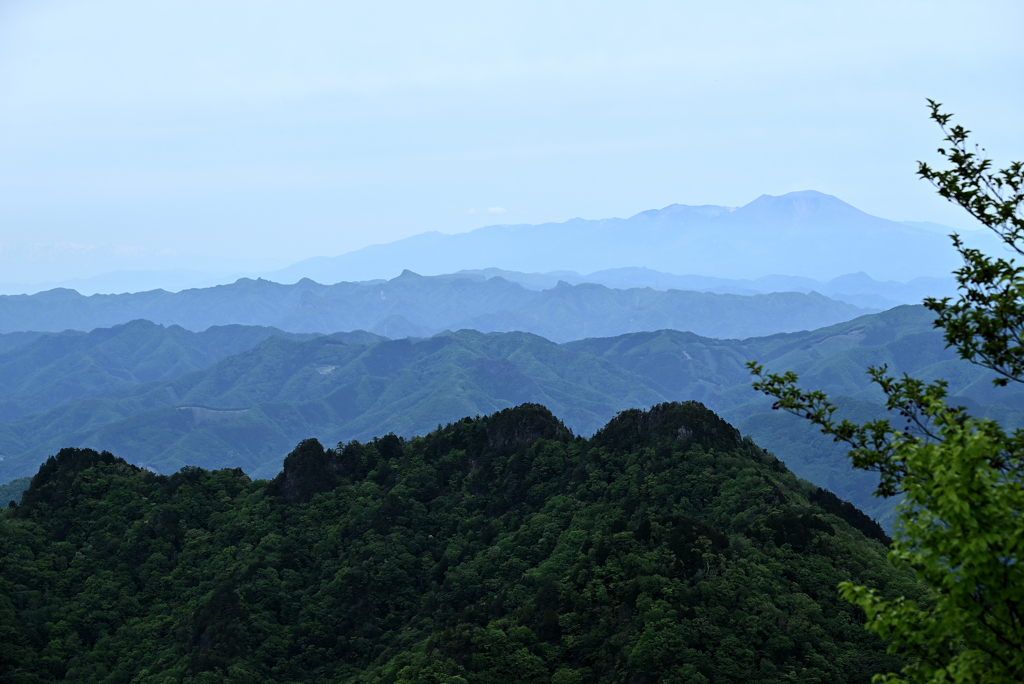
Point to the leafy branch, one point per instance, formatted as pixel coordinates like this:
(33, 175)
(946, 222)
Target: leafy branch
(986, 322)
(961, 523)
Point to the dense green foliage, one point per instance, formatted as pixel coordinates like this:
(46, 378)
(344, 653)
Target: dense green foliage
(961, 525)
(13, 489)
(45, 370)
(250, 408)
(247, 410)
(420, 306)
(498, 549)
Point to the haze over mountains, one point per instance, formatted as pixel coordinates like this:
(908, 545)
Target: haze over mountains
(177, 401)
(801, 235)
(858, 289)
(242, 371)
(807, 234)
(413, 305)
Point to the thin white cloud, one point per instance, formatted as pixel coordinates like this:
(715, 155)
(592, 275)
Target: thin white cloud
(496, 210)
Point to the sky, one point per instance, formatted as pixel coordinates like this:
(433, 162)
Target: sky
(242, 136)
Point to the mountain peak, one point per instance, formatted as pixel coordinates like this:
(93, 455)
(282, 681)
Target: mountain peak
(799, 204)
(805, 233)
(406, 274)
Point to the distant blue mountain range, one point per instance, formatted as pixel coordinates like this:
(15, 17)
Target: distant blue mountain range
(801, 241)
(418, 306)
(858, 289)
(807, 234)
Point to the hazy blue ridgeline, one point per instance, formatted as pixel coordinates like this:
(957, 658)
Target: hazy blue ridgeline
(858, 289)
(248, 409)
(807, 234)
(813, 238)
(413, 305)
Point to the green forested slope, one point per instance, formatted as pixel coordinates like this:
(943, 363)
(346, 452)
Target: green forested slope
(248, 409)
(831, 359)
(12, 490)
(501, 549)
(39, 371)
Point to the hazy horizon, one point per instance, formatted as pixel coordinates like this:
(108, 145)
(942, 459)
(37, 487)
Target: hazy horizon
(242, 137)
(796, 213)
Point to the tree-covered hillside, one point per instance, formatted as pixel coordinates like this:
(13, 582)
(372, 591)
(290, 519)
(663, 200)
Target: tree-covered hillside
(249, 408)
(12, 491)
(39, 371)
(498, 549)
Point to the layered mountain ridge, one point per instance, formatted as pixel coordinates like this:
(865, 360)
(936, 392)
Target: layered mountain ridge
(807, 234)
(414, 305)
(247, 409)
(496, 549)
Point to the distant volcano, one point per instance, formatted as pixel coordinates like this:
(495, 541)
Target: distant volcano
(806, 233)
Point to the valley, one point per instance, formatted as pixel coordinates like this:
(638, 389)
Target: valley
(462, 477)
(175, 402)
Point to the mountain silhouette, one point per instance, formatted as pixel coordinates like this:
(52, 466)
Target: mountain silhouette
(807, 234)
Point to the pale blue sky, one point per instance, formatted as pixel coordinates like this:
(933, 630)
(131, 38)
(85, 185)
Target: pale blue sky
(235, 135)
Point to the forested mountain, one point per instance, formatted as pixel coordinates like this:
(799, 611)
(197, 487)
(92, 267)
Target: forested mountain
(421, 306)
(498, 549)
(13, 490)
(42, 370)
(249, 408)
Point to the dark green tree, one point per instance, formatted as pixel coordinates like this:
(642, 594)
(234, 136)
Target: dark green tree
(961, 524)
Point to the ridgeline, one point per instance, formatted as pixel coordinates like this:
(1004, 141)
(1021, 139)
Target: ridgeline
(666, 548)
